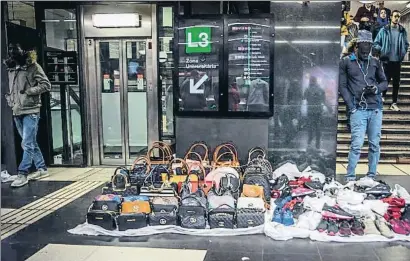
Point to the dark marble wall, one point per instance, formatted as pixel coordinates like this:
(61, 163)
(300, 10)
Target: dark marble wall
(307, 49)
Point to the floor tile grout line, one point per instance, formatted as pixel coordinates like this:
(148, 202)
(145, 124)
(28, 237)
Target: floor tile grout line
(320, 254)
(401, 170)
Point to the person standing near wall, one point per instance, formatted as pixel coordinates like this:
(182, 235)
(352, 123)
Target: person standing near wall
(366, 14)
(27, 81)
(392, 43)
(361, 82)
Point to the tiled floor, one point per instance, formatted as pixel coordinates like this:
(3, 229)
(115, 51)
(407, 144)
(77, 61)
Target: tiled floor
(45, 237)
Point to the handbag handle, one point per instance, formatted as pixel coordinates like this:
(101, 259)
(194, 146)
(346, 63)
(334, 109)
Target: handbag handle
(142, 159)
(254, 150)
(166, 147)
(230, 149)
(183, 162)
(193, 153)
(200, 144)
(200, 166)
(164, 153)
(218, 163)
(127, 182)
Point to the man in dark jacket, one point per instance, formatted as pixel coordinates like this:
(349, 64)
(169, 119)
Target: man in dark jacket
(27, 82)
(391, 42)
(366, 13)
(361, 82)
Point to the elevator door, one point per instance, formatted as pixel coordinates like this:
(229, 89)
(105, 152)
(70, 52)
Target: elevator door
(122, 99)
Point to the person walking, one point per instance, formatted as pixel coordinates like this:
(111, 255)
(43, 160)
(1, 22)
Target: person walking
(361, 82)
(27, 82)
(392, 43)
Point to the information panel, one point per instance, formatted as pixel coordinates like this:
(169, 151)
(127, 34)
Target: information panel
(62, 67)
(200, 44)
(249, 64)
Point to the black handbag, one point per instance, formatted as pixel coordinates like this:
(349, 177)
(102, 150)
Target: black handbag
(162, 215)
(193, 217)
(104, 219)
(120, 184)
(139, 171)
(131, 221)
(154, 186)
(106, 203)
(255, 176)
(221, 217)
(248, 217)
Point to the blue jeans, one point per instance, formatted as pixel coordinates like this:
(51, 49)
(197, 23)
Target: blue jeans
(27, 126)
(362, 122)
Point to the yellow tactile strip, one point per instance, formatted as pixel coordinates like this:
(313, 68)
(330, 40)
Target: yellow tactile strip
(18, 219)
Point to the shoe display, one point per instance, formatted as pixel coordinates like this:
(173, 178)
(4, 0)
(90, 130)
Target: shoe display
(281, 182)
(370, 227)
(398, 227)
(322, 227)
(20, 181)
(277, 215)
(332, 228)
(344, 229)
(357, 227)
(287, 218)
(394, 107)
(300, 192)
(382, 226)
(316, 185)
(335, 212)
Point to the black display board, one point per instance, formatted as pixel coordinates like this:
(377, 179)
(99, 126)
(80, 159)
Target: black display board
(224, 66)
(62, 67)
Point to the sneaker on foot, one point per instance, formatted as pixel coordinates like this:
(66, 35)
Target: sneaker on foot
(370, 228)
(384, 229)
(39, 174)
(357, 227)
(20, 181)
(394, 107)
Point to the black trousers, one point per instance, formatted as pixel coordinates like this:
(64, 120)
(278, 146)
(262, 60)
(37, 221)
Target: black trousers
(314, 122)
(392, 71)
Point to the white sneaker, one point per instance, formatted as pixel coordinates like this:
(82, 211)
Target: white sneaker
(394, 107)
(20, 181)
(367, 182)
(370, 227)
(39, 174)
(309, 220)
(402, 193)
(347, 196)
(384, 229)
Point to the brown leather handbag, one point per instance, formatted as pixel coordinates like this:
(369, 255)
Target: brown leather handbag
(138, 206)
(198, 149)
(164, 154)
(225, 155)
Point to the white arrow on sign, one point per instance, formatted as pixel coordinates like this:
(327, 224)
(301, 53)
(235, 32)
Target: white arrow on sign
(194, 88)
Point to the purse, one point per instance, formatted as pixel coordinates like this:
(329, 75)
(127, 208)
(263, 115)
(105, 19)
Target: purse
(226, 155)
(164, 211)
(192, 212)
(120, 184)
(140, 169)
(178, 170)
(154, 186)
(257, 177)
(253, 191)
(107, 202)
(201, 151)
(133, 214)
(250, 212)
(103, 211)
(164, 155)
(193, 181)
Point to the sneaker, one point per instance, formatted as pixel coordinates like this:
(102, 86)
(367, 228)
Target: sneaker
(406, 225)
(297, 209)
(300, 192)
(370, 227)
(395, 202)
(20, 181)
(335, 212)
(39, 174)
(344, 229)
(323, 225)
(402, 193)
(281, 182)
(332, 228)
(350, 178)
(394, 107)
(287, 218)
(367, 182)
(277, 215)
(357, 227)
(382, 226)
(280, 202)
(380, 189)
(316, 185)
(398, 227)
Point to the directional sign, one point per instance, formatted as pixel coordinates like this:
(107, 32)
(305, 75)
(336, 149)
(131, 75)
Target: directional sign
(198, 40)
(194, 87)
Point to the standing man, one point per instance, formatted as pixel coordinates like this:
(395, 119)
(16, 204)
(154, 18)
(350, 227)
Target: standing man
(392, 43)
(366, 13)
(361, 82)
(27, 82)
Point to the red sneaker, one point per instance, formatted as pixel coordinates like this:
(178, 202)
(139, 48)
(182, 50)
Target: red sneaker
(395, 202)
(398, 227)
(406, 225)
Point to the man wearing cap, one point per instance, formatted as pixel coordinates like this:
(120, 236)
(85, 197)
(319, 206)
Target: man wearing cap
(391, 42)
(361, 82)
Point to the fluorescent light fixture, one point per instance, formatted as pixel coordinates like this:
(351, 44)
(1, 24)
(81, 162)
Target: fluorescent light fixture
(50, 21)
(306, 42)
(116, 20)
(307, 27)
(408, 5)
(69, 20)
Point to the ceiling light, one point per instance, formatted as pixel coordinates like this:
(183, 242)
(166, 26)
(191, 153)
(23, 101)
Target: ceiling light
(116, 20)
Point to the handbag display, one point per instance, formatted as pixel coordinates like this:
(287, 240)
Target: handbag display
(120, 184)
(221, 210)
(133, 214)
(250, 212)
(140, 169)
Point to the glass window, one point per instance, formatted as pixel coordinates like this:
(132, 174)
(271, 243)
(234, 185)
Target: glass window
(166, 66)
(22, 13)
(61, 31)
(249, 42)
(200, 49)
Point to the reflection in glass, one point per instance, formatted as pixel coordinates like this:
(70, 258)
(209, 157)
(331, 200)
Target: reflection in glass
(110, 99)
(137, 97)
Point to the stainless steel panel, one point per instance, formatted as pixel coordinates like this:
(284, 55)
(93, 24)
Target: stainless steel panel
(144, 10)
(152, 83)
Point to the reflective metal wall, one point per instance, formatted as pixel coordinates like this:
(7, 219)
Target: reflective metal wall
(307, 49)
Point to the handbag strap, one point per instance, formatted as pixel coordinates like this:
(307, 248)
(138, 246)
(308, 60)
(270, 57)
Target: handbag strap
(176, 160)
(165, 156)
(166, 146)
(193, 153)
(144, 160)
(200, 144)
(255, 150)
(231, 162)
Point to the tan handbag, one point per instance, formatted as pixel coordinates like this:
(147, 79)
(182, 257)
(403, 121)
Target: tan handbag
(164, 154)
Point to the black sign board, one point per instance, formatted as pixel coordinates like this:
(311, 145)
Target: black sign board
(62, 67)
(249, 64)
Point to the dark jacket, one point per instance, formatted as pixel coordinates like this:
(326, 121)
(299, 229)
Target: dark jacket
(26, 84)
(351, 82)
(315, 97)
(363, 12)
(383, 42)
